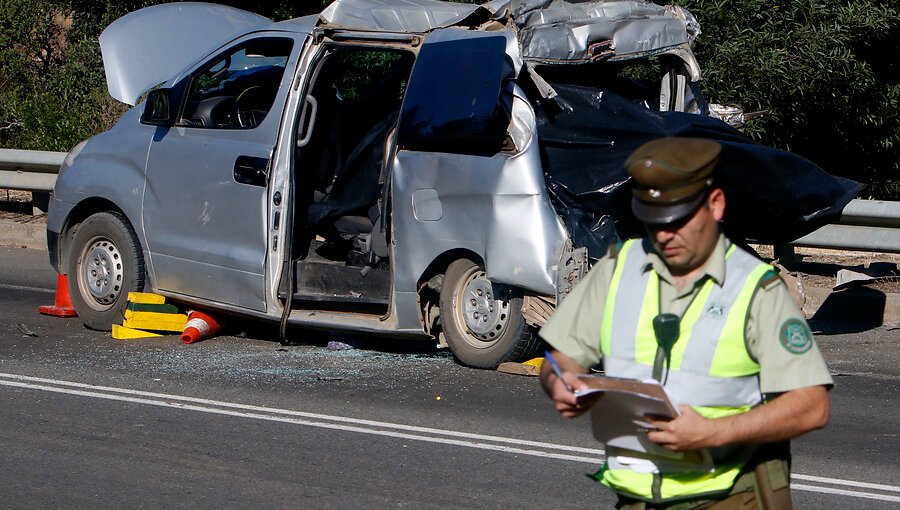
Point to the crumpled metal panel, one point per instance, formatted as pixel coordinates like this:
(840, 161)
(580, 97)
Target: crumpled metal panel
(481, 213)
(560, 31)
(395, 15)
(151, 45)
(489, 204)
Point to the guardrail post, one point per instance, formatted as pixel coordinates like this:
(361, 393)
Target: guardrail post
(40, 202)
(784, 253)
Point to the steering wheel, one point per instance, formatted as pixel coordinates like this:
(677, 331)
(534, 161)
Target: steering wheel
(251, 106)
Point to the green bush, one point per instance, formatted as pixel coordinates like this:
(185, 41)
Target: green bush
(52, 85)
(53, 91)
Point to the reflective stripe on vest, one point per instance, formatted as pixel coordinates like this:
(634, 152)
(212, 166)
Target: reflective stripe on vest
(710, 367)
(674, 486)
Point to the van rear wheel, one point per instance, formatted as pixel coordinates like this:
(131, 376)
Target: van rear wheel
(482, 321)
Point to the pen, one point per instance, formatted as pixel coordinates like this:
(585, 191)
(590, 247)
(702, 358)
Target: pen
(557, 370)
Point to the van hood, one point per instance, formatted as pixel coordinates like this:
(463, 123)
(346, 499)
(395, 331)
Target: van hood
(147, 47)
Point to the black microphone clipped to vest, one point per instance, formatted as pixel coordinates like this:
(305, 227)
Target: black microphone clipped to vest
(666, 326)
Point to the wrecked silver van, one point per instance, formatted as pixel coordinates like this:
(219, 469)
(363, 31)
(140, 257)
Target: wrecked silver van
(384, 167)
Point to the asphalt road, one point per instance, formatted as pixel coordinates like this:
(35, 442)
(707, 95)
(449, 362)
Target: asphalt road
(240, 421)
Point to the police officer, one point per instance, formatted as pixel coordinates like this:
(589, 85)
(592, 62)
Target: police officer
(744, 368)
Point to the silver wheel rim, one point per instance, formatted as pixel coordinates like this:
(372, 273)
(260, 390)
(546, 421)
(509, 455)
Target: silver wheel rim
(484, 309)
(100, 273)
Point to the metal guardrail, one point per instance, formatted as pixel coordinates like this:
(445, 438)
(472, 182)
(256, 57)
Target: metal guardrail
(865, 225)
(29, 170)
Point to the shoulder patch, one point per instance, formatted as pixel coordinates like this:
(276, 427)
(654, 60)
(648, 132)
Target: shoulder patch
(795, 336)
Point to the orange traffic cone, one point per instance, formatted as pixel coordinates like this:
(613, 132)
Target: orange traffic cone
(200, 326)
(62, 306)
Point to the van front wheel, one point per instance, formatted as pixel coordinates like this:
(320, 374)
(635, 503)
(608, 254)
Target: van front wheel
(105, 264)
(482, 321)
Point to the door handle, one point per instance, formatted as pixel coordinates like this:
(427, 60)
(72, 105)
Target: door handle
(251, 170)
(307, 119)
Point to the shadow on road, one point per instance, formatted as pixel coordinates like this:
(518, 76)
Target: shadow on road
(850, 311)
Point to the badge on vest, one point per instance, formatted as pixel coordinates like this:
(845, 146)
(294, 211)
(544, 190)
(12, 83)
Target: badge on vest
(715, 310)
(795, 336)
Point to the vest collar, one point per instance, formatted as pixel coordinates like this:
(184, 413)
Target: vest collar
(715, 266)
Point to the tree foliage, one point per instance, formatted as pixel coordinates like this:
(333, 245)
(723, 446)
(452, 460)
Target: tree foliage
(52, 85)
(824, 70)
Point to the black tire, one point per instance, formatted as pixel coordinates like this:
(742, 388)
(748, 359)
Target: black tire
(482, 321)
(105, 264)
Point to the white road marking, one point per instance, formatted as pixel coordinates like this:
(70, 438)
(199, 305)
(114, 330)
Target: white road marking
(162, 398)
(298, 421)
(395, 430)
(838, 481)
(844, 492)
(23, 287)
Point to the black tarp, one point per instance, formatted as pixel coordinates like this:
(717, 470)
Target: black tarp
(772, 196)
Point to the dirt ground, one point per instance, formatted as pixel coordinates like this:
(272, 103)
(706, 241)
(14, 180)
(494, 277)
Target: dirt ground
(16, 206)
(818, 267)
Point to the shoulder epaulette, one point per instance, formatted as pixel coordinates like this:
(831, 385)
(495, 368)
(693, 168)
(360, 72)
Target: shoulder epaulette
(769, 279)
(614, 249)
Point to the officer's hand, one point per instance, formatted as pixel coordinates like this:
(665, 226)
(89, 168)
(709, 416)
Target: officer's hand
(689, 431)
(564, 398)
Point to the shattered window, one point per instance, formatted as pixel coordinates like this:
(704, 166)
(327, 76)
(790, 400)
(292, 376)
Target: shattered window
(637, 80)
(363, 70)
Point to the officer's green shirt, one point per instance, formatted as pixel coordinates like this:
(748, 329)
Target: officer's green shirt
(777, 335)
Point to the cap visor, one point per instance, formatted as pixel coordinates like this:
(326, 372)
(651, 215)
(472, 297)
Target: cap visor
(660, 214)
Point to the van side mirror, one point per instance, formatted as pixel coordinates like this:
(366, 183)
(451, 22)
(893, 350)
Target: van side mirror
(158, 109)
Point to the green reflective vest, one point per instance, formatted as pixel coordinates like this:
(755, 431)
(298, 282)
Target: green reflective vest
(710, 368)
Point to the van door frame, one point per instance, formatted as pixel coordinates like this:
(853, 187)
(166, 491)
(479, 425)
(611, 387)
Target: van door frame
(279, 268)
